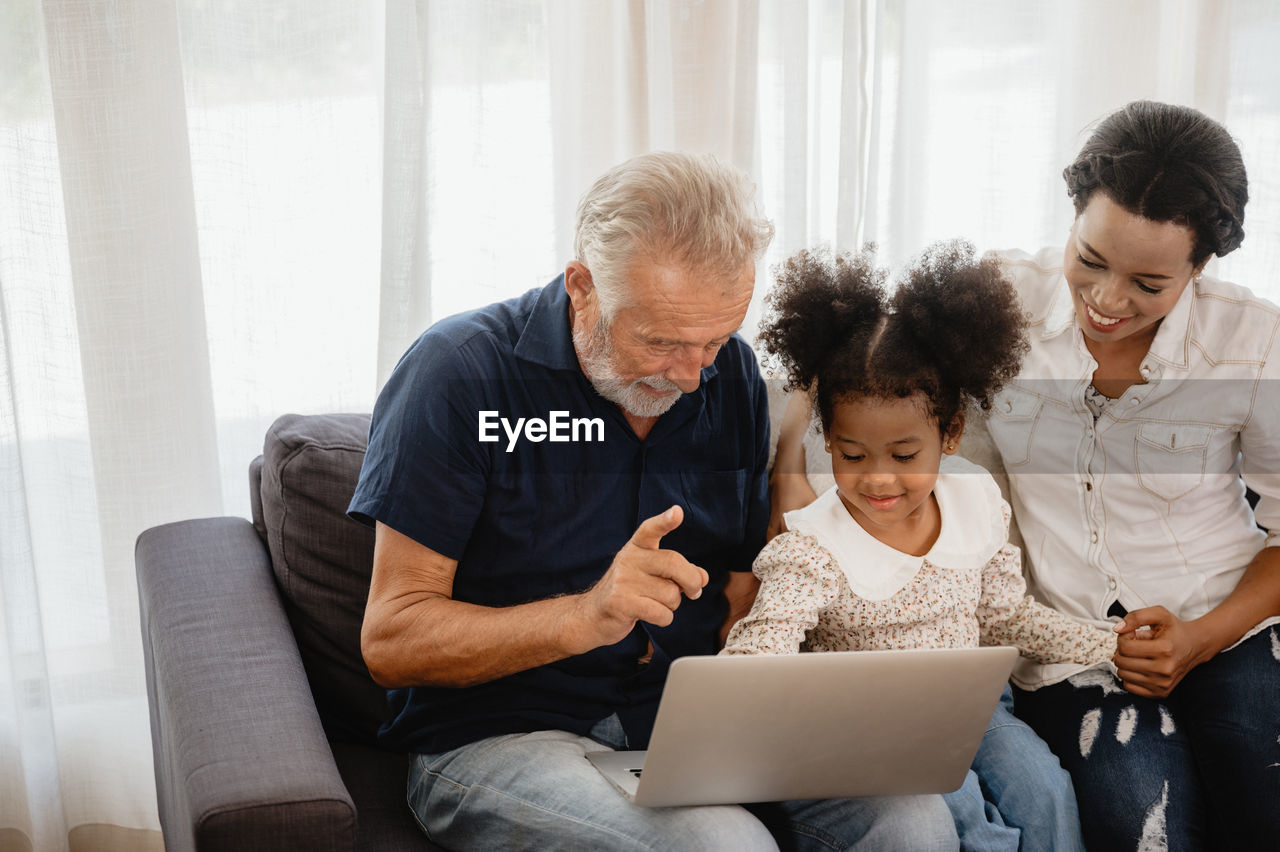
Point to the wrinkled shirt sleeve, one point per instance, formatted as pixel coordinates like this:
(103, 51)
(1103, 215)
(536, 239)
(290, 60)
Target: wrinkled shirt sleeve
(1260, 447)
(798, 580)
(1007, 615)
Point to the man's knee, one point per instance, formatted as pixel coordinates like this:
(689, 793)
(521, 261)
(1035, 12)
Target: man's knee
(726, 827)
(917, 822)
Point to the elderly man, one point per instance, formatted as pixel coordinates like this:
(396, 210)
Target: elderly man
(568, 490)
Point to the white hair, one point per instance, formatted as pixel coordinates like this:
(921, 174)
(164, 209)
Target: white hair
(668, 206)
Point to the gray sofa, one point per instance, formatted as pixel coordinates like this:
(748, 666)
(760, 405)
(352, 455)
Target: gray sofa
(262, 712)
(263, 715)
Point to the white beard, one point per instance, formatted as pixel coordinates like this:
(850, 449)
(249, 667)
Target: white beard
(597, 357)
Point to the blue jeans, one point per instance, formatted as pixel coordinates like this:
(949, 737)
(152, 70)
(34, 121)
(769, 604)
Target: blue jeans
(536, 791)
(1016, 795)
(1197, 770)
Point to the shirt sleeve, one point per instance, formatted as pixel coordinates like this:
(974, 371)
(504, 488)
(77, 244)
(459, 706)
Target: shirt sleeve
(797, 582)
(424, 473)
(1260, 447)
(1007, 615)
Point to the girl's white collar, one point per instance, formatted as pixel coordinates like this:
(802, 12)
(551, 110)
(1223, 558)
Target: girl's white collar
(973, 531)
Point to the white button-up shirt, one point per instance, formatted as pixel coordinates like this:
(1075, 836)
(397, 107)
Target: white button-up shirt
(1146, 505)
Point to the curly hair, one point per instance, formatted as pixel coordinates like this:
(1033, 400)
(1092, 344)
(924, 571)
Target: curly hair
(952, 330)
(1167, 163)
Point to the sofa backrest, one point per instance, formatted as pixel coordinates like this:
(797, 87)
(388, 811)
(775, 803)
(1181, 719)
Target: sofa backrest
(322, 559)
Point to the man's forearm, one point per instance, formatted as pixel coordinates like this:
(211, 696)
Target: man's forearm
(415, 633)
(437, 641)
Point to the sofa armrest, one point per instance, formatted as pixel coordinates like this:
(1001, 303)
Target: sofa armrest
(242, 762)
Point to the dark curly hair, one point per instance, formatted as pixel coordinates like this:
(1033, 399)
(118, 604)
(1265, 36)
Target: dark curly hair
(1167, 163)
(952, 330)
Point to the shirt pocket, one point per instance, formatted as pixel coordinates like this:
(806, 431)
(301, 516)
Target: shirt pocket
(1012, 423)
(1170, 457)
(715, 510)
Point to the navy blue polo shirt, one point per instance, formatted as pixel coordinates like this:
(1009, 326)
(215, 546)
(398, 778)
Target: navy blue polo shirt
(489, 446)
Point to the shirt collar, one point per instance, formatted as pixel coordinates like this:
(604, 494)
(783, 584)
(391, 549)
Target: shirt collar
(1173, 338)
(547, 338)
(972, 533)
(1061, 313)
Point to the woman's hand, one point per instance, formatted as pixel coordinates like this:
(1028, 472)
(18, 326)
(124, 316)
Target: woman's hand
(787, 492)
(789, 486)
(1152, 661)
(1156, 650)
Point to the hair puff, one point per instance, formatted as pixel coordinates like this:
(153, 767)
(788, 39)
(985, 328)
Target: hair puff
(952, 330)
(964, 314)
(819, 303)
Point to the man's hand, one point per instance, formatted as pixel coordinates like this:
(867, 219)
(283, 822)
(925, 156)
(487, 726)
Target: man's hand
(1155, 651)
(644, 583)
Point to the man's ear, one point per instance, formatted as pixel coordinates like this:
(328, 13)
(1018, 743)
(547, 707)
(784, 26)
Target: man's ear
(579, 285)
(951, 438)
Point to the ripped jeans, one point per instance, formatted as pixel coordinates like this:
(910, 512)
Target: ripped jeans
(1198, 770)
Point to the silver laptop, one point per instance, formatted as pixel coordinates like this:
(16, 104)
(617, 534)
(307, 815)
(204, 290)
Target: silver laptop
(815, 725)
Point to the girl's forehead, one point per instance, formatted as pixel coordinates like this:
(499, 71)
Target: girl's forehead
(880, 418)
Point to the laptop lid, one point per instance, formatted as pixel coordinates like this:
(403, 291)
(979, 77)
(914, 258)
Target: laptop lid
(740, 729)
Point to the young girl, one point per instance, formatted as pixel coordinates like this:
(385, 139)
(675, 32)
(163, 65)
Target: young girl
(904, 551)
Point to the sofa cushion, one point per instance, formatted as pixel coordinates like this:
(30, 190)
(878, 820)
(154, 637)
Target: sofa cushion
(376, 781)
(323, 560)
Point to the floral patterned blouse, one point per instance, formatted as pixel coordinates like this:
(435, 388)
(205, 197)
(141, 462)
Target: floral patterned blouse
(828, 585)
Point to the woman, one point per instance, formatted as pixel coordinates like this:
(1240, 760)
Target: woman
(1147, 403)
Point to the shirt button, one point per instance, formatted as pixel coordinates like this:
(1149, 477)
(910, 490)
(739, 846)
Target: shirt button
(1088, 486)
(1094, 537)
(1111, 582)
(1146, 368)
(1134, 400)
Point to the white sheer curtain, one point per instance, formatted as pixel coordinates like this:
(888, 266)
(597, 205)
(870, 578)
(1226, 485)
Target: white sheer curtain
(215, 212)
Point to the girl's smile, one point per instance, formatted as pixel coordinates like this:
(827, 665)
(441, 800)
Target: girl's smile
(883, 504)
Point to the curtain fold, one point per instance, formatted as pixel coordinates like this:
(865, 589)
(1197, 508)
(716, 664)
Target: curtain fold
(120, 119)
(405, 295)
(215, 213)
(30, 797)
(636, 76)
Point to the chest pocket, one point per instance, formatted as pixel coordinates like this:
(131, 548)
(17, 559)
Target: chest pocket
(715, 504)
(1170, 457)
(1012, 423)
